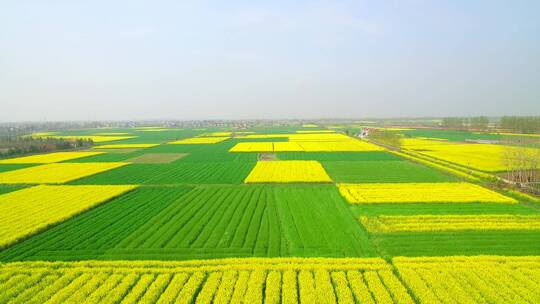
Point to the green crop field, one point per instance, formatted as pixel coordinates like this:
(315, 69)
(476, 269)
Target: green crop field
(193, 231)
(382, 171)
(206, 222)
(178, 172)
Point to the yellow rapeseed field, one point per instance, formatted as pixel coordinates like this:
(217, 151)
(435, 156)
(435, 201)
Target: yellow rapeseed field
(287, 147)
(399, 223)
(479, 279)
(242, 280)
(199, 140)
(253, 147)
(308, 171)
(28, 211)
(125, 146)
(315, 137)
(56, 173)
(328, 137)
(420, 193)
(484, 157)
(419, 144)
(48, 158)
(350, 145)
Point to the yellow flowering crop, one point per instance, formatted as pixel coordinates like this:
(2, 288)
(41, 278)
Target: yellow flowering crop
(42, 134)
(398, 223)
(242, 280)
(484, 157)
(420, 193)
(481, 279)
(422, 143)
(287, 146)
(199, 140)
(310, 126)
(48, 158)
(288, 172)
(316, 137)
(28, 211)
(253, 147)
(351, 145)
(56, 173)
(320, 137)
(125, 146)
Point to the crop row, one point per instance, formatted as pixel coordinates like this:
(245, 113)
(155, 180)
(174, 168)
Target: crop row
(396, 171)
(383, 224)
(471, 242)
(288, 172)
(48, 158)
(205, 222)
(484, 157)
(28, 211)
(222, 281)
(482, 279)
(472, 279)
(351, 145)
(55, 173)
(174, 173)
(421, 193)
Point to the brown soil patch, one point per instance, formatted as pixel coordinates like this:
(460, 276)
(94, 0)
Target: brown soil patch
(267, 156)
(157, 158)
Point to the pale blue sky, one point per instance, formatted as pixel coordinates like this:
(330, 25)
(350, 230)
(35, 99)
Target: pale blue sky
(87, 60)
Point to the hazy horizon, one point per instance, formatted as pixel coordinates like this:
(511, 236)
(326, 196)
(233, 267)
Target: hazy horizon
(196, 60)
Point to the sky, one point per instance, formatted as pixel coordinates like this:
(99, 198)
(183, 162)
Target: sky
(131, 60)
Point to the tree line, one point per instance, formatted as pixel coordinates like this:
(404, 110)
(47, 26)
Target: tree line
(517, 124)
(521, 124)
(15, 145)
(465, 123)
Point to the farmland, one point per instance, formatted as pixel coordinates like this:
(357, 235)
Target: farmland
(294, 214)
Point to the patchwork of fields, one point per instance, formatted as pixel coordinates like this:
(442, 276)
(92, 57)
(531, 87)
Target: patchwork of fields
(282, 215)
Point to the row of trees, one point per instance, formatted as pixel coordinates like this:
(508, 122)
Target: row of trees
(14, 145)
(521, 124)
(465, 123)
(523, 164)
